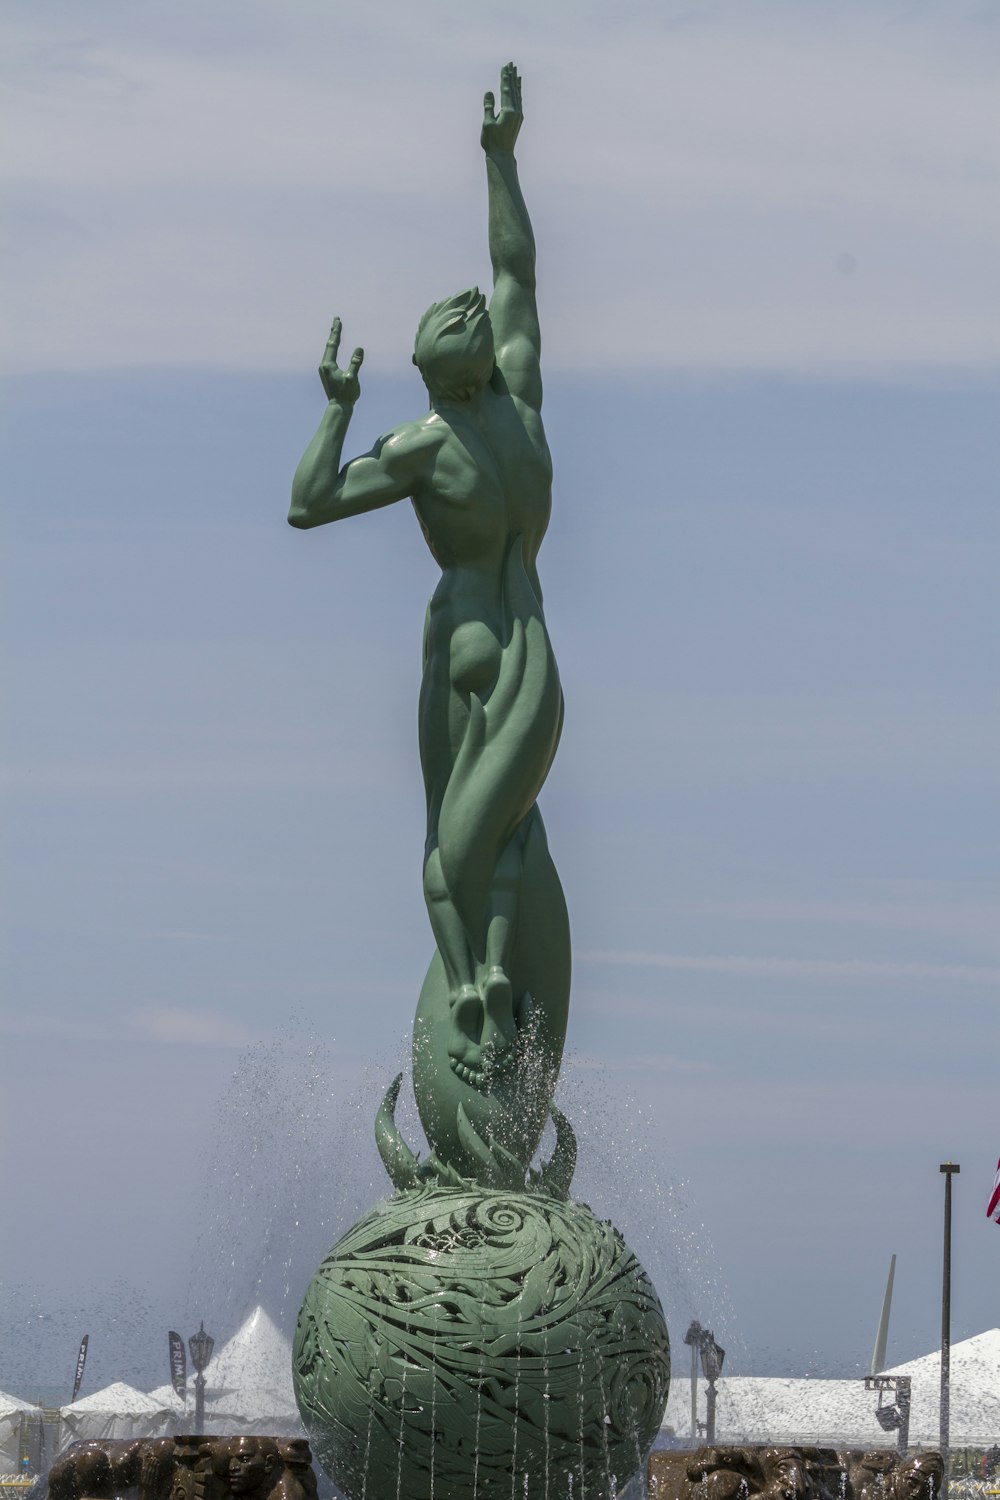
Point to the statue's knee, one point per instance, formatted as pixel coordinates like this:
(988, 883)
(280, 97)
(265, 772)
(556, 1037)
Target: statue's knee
(435, 888)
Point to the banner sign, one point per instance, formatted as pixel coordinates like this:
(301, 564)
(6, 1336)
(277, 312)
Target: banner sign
(178, 1364)
(81, 1360)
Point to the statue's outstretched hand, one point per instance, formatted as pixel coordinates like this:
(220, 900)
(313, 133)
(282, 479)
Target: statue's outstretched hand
(500, 130)
(340, 385)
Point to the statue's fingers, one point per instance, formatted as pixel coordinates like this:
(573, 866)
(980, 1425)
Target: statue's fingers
(356, 359)
(333, 342)
(507, 84)
(489, 108)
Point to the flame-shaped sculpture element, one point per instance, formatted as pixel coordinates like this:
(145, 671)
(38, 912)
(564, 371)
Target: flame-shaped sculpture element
(497, 1167)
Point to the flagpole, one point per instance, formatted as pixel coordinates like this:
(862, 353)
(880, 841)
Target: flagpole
(949, 1169)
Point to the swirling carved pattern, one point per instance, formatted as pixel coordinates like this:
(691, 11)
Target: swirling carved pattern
(457, 1340)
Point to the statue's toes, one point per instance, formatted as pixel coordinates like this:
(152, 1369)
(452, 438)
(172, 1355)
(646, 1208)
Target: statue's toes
(498, 1005)
(467, 1015)
(466, 1023)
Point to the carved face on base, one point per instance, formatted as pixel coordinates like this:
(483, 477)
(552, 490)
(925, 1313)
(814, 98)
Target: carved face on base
(250, 1465)
(918, 1478)
(785, 1474)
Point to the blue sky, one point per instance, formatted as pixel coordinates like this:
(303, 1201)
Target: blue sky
(768, 242)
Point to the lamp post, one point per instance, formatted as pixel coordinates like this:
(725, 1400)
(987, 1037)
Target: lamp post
(949, 1169)
(702, 1342)
(693, 1337)
(895, 1418)
(711, 1363)
(201, 1345)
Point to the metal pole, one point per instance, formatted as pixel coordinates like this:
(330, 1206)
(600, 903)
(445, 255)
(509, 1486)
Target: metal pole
(694, 1395)
(201, 1345)
(693, 1338)
(903, 1407)
(710, 1414)
(949, 1169)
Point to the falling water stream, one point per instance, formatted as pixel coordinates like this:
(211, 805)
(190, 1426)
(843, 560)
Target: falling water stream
(292, 1164)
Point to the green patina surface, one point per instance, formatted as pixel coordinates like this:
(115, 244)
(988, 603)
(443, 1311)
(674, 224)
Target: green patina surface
(453, 1337)
(457, 1342)
(491, 1018)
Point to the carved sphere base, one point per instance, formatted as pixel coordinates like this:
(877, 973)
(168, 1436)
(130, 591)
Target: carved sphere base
(459, 1342)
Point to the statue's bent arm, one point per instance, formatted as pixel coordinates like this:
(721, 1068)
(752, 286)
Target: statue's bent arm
(513, 309)
(322, 491)
(392, 470)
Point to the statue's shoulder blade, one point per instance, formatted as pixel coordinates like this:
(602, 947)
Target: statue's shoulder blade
(411, 446)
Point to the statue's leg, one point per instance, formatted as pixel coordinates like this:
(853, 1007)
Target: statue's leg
(540, 961)
(453, 945)
(481, 1027)
(499, 1031)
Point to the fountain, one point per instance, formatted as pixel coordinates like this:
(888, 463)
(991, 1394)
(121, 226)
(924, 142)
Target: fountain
(478, 1330)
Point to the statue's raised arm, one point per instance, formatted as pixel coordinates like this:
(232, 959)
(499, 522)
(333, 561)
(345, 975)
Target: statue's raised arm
(513, 311)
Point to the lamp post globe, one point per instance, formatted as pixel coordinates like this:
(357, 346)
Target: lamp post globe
(712, 1359)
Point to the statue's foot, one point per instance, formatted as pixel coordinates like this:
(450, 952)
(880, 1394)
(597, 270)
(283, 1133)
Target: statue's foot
(482, 1030)
(465, 1033)
(498, 1003)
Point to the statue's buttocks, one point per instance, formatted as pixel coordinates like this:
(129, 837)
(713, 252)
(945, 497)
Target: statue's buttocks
(474, 655)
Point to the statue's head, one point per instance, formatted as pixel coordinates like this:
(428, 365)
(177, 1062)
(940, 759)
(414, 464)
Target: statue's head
(919, 1477)
(785, 1472)
(454, 347)
(84, 1470)
(93, 1472)
(251, 1460)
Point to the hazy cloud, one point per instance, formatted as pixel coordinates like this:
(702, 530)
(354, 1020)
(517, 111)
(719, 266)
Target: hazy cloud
(747, 188)
(793, 968)
(189, 1028)
(955, 914)
(637, 1062)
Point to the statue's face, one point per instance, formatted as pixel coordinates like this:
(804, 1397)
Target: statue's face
(788, 1477)
(248, 1467)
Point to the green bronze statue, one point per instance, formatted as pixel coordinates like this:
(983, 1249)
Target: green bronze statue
(492, 1013)
(480, 1332)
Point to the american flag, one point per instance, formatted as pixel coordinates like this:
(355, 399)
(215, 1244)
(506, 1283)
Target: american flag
(993, 1209)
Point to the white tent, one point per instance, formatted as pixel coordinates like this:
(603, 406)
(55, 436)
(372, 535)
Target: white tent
(974, 1392)
(841, 1413)
(248, 1384)
(117, 1411)
(13, 1415)
(753, 1409)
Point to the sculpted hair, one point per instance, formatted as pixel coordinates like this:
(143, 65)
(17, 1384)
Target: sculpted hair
(450, 369)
